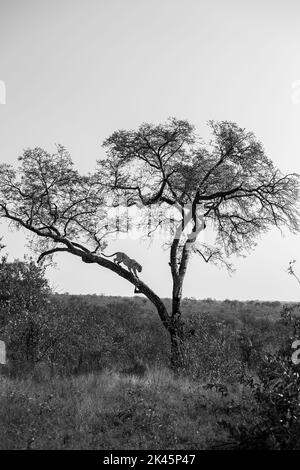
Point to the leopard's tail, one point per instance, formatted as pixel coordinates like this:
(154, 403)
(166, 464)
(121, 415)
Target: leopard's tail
(108, 256)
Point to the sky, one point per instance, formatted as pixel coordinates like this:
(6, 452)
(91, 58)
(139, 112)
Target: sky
(74, 71)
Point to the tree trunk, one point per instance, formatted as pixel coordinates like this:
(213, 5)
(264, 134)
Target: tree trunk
(177, 351)
(176, 328)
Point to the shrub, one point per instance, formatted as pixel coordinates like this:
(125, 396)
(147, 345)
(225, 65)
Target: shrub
(277, 392)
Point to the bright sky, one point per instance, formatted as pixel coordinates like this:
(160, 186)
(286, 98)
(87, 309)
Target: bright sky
(76, 70)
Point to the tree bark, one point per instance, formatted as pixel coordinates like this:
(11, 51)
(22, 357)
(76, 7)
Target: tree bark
(176, 326)
(178, 357)
(178, 353)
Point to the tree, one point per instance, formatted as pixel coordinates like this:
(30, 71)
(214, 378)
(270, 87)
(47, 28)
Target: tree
(291, 270)
(26, 315)
(228, 184)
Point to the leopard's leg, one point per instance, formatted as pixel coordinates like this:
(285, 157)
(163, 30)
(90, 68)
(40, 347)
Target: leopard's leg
(134, 272)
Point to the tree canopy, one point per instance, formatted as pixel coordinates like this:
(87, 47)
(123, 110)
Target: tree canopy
(240, 191)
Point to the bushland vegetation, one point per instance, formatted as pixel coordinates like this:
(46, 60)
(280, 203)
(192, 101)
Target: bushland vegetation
(93, 371)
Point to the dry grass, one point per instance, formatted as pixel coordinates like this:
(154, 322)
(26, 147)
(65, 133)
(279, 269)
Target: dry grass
(116, 411)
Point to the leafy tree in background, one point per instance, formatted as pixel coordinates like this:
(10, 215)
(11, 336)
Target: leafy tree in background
(24, 308)
(38, 326)
(277, 390)
(227, 184)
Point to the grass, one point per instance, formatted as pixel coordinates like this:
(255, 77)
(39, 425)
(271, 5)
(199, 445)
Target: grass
(110, 410)
(105, 384)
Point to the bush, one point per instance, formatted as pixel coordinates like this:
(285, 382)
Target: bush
(277, 392)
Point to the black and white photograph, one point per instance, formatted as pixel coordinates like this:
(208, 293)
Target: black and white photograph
(149, 229)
